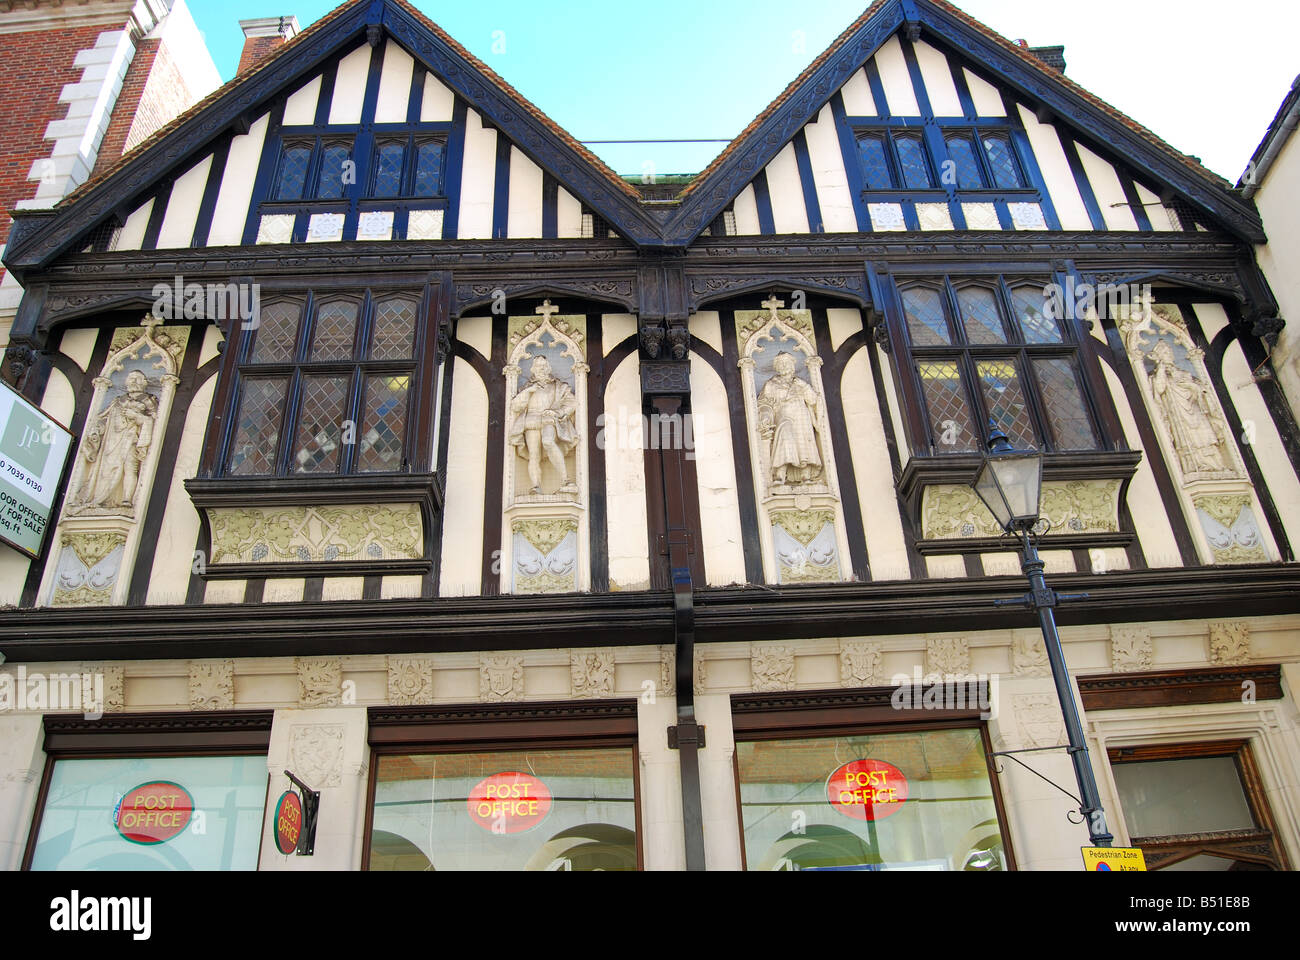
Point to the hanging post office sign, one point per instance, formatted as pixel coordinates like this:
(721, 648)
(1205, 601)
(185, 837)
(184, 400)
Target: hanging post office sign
(33, 452)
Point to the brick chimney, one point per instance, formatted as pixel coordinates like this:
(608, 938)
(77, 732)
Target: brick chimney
(262, 37)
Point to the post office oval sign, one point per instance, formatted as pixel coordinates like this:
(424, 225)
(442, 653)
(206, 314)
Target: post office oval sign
(288, 822)
(867, 789)
(509, 802)
(153, 812)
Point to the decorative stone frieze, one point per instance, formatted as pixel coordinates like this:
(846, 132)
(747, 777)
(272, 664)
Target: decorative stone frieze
(1029, 656)
(772, 667)
(1131, 649)
(316, 753)
(500, 677)
(212, 685)
(1076, 506)
(1230, 641)
(947, 657)
(860, 663)
(324, 534)
(320, 681)
(592, 672)
(410, 680)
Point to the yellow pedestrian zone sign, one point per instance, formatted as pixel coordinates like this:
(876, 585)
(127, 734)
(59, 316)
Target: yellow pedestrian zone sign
(1106, 859)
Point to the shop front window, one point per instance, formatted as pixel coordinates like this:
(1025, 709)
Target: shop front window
(545, 809)
(173, 813)
(898, 801)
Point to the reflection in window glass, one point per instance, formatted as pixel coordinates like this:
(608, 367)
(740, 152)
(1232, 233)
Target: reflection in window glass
(428, 169)
(1066, 411)
(925, 322)
(383, 424)
(277, 333)
(979, 314)
(293, 172)
(875, 168)
(1162, 798)
(1002, 162)
(962, 154)
(390, 158)
(89, 800)
(1030, 304)
(518, 810)
(904, 801)
(946, 402)
(911, 157)
(257, 428)
(330, 185)
(1005, 400)
(320, 424)
(394, 330)
(336, 326)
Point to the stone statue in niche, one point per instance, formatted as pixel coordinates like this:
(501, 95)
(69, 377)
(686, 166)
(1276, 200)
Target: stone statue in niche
(117, 441)
(789, 421)
(1190, 412)
(544, 424)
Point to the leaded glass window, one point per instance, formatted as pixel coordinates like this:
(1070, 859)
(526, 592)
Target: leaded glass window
(428, 169)
(324, 386)
(330, 185)
(1002, 163)
(292, 175)
(390, 158)
(912, 162)
(875, 165)
(991, 351)
(962, 154)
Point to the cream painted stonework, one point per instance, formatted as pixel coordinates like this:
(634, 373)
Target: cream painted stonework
(1029, 656)
(592, 672)
(1230, 641)
(1131, 649)
(951, 512)
(501, 678)
(947, 657)
(212, 685)
(316, 753)
(1230, 526)
(323, 534)
(320, 682)
(410, 680)
(772, 668)
(859, 663)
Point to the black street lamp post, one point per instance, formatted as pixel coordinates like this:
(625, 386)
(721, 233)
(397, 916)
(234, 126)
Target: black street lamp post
(1010, 484)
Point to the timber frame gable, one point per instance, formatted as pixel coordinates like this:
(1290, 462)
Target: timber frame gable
(1051, 95)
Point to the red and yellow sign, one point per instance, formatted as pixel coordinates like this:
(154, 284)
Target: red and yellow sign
(509, 802)
(288, 822)
(153, 812)
(1108, 859)
(867, 789)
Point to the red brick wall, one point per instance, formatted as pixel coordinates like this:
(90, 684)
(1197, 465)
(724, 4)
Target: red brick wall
(133, 87)
(257, 49)
(34, 66)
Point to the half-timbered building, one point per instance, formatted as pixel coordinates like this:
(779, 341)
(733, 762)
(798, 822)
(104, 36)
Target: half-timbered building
(540, 518)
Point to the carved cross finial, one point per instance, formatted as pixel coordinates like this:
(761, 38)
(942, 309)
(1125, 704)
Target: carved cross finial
(547, 310)
(772, 305)
(151, 321)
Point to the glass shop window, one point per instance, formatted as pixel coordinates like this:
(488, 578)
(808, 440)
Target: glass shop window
(897, 801)
(552, 809)
(172, 813)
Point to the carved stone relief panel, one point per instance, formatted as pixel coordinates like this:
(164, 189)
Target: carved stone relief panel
(1131, 649)
(950, 512)
(801, 526)
(316, 753)
(500, 677)
(212, 685)
(410, 680)
(545, 479)
(113, 470)
(772, 667)
(1029, 656)
(592, 672)
(324, 534)
(1230, 526)
(320, 681)
(860, 663)
(1230, 641)
(947, 657)
(1039, 717)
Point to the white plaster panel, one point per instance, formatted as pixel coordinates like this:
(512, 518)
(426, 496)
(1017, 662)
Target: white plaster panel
(284, 590)
(525, 211)
(882, 524)
(1144, 503)
(985, 96)
(937, 77)
(856, 94)
(59, 401)
(13, 575)
(707, 326)
(183, 207)
(663, 840)
(896, 80)
(439, 103)
(1106, 187)
(746, 210)
(785, 189)
(22, 761)
(832, 183)
(212, 340)
(78, 345)
(300, 108)
(724, 557)
(343, 588)
(169, 580)
(1161, 219)
(629, 539)
(350, 86)
(944, 567)
(478, 179)
(844, 322)
(1061, 185)
(225, 591)
(614, 329)
(568, 215)
(891, 395)
(131, 236)
(718, 784)
(462, 537)
(236, 192)
(1000, 564)
(401, 588)
(477, 333)
(394, 85)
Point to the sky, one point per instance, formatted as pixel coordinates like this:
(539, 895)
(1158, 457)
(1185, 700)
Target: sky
(1205, 75)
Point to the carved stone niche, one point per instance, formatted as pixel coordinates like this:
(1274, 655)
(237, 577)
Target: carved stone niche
(112, 477)
(545, 473)
(801, 525)
(1214, 486)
